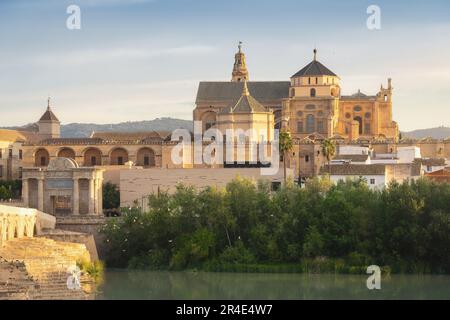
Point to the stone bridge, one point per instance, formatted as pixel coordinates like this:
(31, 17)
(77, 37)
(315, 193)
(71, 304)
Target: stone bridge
(16, 222)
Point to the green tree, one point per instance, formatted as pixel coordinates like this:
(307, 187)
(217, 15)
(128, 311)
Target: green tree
(5, 194)
(286, 145)
(111, 196)
(329, 151)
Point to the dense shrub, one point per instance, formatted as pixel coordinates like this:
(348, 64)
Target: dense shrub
(319, 228)
(11, 189)
(111, 196)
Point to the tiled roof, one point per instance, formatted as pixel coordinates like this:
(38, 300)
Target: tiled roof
(354, 169)
(245, 104)
(314, 68)
(48, 116)
(358, 96)
(70, 141)
(131, 136)
(18, 135)
(263, 91)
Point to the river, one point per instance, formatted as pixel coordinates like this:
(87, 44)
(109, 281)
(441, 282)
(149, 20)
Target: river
(126, 284)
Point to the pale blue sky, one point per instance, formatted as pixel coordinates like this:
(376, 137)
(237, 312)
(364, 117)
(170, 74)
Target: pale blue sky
(141, 59)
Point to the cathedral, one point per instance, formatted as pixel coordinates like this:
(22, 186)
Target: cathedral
(309, 105)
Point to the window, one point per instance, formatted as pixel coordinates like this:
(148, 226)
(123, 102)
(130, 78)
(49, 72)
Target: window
(300, 126)
(309, 80)
(357, 108)
(93, 161)
(299, 114)
(43, 161)
(20, 154)
(320, 114)
(1, 171)
(10, 153)
(306, 158)
(360, 124)
(372, 181)
(20, 172)
(367, 115)
(429, 168)
(310, 123)
(1, 154)
(367, 128)
(146, 161)
(313, 92)
(310, 107)
(120, 161)
(317, 80)
(348, 115)
(320, 127)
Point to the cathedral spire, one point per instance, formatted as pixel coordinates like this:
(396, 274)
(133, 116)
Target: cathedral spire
(245, 91)
(240, 72)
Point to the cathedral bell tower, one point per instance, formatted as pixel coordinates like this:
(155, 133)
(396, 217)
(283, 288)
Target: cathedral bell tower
(240, 72)
(49, 125)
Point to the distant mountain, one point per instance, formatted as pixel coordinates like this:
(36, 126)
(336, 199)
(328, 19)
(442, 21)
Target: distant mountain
(82, 130)
(79, 130)
(159, 124)
(436, 133)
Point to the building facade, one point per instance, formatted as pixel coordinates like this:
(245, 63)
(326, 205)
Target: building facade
(310, 105)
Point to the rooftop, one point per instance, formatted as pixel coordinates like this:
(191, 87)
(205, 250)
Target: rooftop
(314, 68)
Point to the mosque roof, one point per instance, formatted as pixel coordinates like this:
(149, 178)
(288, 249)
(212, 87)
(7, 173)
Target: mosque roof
(245, 103)
(226, 92)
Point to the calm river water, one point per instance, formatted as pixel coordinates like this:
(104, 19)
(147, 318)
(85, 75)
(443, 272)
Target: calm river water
(125, 284)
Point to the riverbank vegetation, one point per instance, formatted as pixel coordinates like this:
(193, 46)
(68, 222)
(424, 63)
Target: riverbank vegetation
(246, 227)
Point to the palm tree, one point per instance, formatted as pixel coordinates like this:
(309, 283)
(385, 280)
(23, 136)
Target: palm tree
(285, 148)
(329, 151)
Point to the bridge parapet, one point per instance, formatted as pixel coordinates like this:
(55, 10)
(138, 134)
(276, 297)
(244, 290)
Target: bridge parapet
(16, 222)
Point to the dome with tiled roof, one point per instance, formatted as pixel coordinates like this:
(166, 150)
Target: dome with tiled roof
(314, 68)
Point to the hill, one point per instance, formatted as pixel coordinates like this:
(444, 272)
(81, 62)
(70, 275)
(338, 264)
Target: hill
(82, 130)
(436, 133)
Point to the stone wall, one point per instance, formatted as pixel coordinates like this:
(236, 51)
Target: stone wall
(136, 185)
(89, 225)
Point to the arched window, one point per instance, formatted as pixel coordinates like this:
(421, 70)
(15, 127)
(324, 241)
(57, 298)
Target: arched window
(310, 123)
(360, 124)
(313, 92)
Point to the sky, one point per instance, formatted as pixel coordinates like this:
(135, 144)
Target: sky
(142, 59)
